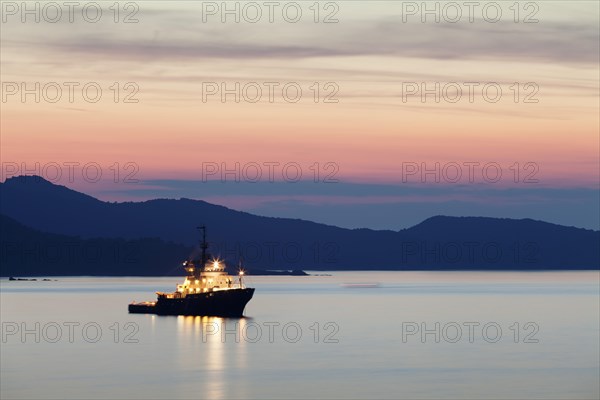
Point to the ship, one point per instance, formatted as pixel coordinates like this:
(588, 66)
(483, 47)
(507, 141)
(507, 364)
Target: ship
(208, 290)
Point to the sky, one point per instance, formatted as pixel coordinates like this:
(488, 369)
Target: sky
(371, 114)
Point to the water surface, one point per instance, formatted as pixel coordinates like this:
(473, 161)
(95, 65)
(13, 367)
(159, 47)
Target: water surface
(487, 335)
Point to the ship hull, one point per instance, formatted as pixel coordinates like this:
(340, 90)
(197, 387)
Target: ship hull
(222, 303)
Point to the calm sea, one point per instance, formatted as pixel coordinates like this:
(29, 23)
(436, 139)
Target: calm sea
(410, 335)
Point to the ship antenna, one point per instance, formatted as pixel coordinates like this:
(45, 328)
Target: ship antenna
(203, 244)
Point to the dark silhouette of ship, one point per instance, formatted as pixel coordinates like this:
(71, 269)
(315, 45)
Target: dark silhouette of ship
(207, 290)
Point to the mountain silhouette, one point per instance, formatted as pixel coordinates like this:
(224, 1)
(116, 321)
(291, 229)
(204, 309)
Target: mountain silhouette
(166, 229)
(27, 252)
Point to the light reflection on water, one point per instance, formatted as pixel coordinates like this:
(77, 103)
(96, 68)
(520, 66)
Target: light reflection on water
(208, 357)
(201, 348)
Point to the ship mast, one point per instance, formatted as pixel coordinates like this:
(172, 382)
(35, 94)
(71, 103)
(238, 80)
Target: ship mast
(203, 246)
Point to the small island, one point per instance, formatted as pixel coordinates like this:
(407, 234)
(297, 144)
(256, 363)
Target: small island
(293, 272)
(12, 278)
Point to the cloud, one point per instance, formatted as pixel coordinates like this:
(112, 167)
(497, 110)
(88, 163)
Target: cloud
(180, 35)
(175, 188)
(379, 206)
